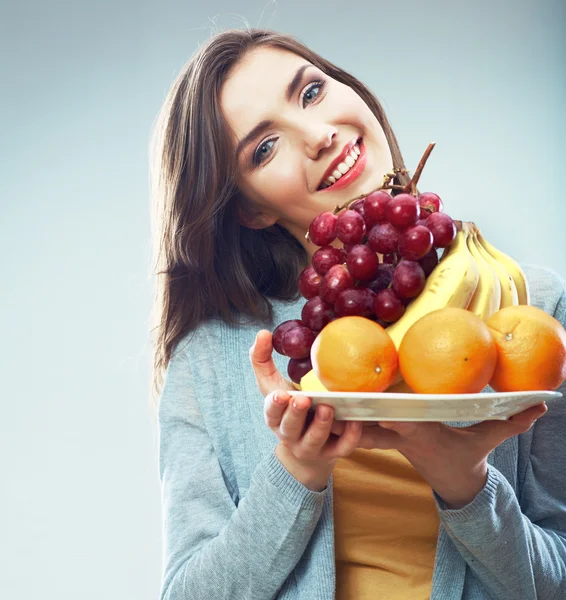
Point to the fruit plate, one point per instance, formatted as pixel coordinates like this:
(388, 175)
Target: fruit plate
(366, 406)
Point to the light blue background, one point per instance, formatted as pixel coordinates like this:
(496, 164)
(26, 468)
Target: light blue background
(80, 86)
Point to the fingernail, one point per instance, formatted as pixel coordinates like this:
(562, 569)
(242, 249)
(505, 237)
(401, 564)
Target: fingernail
(281, 398)
(324, 413)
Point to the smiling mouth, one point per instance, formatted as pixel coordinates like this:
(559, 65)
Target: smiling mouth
(347, 164)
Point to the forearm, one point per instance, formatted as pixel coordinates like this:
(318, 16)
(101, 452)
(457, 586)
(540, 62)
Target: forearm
(512, 557)
(257, 548)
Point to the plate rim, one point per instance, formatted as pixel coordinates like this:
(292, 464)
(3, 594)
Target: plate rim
(408, 396)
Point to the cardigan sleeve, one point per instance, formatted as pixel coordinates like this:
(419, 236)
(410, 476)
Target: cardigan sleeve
(214, 545)
(516, 547)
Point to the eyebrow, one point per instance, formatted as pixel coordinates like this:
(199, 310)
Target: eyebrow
(261, 127)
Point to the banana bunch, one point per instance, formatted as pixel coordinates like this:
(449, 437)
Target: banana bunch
(471, 274)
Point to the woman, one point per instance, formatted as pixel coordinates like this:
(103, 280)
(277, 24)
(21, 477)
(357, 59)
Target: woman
(243, 152)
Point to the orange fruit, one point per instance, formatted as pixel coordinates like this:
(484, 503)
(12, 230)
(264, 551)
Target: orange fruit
(531, 349)
(448, 351)
(354, 354)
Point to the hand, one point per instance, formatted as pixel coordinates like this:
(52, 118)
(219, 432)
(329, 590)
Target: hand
(308, 451)
(453, 460)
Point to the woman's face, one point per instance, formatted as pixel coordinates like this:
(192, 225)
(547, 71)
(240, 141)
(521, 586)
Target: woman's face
(295, 130)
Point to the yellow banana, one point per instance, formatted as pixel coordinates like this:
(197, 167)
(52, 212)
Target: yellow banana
(311, 383)
(452, 283)
(511, 266)
(509, 296)
(487, 297)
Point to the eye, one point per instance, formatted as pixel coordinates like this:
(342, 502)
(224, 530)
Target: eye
(262, 152)
(311, 92)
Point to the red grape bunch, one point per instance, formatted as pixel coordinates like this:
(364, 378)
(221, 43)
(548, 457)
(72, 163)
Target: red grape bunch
(389, 249)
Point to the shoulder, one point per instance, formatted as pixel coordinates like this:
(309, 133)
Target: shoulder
(547, 290)
(214, 337)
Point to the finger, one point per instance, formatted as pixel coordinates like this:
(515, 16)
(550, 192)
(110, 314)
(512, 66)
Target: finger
(496, 432)
(261, 354)
(261, 357)
(348, 441)
(317, 432)
(338, 427)
(293, 421)
(378, 437)
(274, 407)
(404, 429)
(527, 418)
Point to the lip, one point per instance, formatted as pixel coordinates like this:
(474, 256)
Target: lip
(354, 171)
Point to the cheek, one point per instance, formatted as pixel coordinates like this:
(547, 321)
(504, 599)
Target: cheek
(279, 185)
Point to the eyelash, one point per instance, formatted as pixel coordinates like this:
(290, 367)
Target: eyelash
(256, 160)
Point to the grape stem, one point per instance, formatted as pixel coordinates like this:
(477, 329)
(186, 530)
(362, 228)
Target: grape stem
(411, 187)
(385, 185)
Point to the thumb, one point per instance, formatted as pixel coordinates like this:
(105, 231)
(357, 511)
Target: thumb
(496, 432)
(261, 352)
(266, 373)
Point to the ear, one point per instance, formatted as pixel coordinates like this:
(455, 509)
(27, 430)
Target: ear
(254, 219)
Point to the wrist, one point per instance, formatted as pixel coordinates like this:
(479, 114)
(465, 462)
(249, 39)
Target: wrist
(313, 475)
(456, 485)
(460, 491)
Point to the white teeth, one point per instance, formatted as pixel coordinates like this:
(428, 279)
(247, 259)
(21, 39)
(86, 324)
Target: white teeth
(342, 167)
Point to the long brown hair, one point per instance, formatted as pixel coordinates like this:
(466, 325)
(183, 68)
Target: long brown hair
(208, 265)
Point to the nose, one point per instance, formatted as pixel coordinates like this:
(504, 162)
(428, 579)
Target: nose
(318, 137)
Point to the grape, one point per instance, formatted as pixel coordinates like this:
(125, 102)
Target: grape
(316, 313)
(335, 281)
(402, 211)
(429, 261)
(355, 302)
(359, 207)
(297, 341)
(391, 259)
(429, 203)
(442, 228)
(280, 330)
(350, 227)
(415, 242)
(382, 279)
(326, 257)
(388, 306)
(375, 208)
(298, 368)
(309, 282)
(383, 238)
(408, 279)
(362, 262)
(322, 231)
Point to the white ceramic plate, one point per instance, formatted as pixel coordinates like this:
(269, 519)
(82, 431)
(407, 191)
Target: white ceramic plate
(365, 406)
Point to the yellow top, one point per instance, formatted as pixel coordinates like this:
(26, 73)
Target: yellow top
(386, 526)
